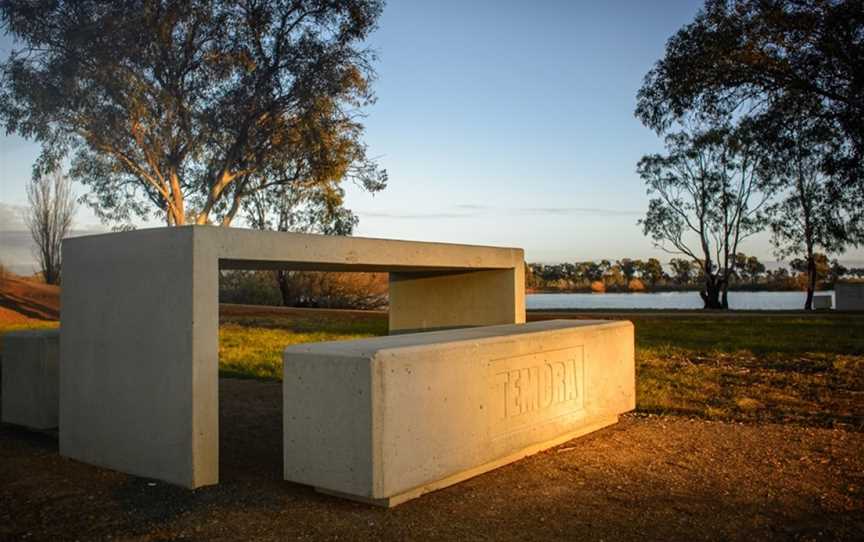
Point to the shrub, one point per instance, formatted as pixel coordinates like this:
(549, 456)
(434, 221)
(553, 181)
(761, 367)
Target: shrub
(317, 289)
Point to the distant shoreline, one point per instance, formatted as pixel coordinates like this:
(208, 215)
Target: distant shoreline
(531, 291)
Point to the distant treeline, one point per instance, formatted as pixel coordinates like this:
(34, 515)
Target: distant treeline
(651, 275)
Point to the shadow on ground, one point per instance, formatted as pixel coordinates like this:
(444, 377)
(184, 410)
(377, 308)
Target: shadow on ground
(649, 477)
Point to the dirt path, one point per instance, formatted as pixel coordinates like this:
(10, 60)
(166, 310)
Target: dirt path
(645, 478)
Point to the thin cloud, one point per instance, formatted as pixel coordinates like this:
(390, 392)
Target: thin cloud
(472, 206)
(16, 244)
(414, 216)
(467, 210)
(593, 211)
(12, 217)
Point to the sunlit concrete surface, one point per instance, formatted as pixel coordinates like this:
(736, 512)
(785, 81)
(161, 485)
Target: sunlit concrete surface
(386, 419)
(849, 296)
(139, 378)
(30, 378)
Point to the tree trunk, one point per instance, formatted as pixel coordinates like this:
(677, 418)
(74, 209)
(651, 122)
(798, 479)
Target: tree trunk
(711, 293)
(284, 281)
(811, 281)
(50, 274)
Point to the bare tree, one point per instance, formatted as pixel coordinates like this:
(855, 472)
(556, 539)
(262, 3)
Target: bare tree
(49, 219)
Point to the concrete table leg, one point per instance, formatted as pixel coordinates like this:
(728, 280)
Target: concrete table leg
(138, 372)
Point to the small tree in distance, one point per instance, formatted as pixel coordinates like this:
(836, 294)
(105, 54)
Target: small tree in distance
(681, 271)
(49, 219)
(651, 270)
(749, 268)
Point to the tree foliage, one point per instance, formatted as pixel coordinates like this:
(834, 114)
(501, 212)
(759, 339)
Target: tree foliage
(189, 108)
(770, 60)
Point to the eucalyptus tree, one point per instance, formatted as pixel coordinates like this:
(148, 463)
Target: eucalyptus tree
(300, 206)
(811, 215)
(707, 195)
(185, 109)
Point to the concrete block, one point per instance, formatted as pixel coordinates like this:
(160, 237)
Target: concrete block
(822, 302)
(31, 378)
(384, 420)
(849, 296)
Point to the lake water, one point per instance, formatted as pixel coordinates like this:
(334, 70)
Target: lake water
(770, 301)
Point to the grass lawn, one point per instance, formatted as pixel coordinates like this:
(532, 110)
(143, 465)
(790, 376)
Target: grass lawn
(251, 346)
(785, 368)
(803, 369)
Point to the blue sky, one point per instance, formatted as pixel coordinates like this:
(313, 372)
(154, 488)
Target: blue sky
(500, 123)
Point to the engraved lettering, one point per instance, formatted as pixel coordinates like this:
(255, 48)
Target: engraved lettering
(501, 391)
(570, 379)
(546, 386)
(513, 402)
(558, 381)
(528, 383)
(528, 389)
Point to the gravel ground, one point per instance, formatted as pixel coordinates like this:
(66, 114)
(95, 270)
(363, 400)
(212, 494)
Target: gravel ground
(646, 478)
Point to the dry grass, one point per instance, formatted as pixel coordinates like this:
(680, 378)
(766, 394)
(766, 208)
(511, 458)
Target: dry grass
(785, 368)
(820, 389)
(789, 368)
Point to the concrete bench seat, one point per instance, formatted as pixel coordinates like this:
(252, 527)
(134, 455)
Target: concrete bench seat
(384, 420)
(31, 378)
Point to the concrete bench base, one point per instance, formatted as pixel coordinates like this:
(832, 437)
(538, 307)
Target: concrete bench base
(31, 378)
(396, 500)
(388, 419)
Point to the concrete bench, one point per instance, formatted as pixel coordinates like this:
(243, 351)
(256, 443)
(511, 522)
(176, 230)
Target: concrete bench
(822, 302)
(31, 378)
(849, 296)
(384, 420)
